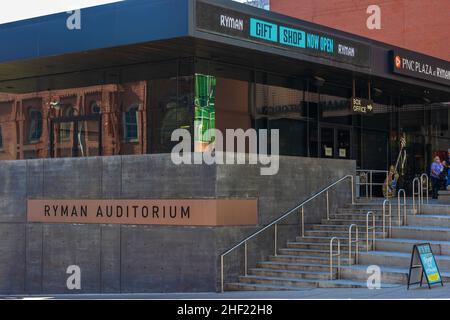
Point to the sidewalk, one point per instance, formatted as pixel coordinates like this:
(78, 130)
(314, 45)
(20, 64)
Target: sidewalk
(436, 292)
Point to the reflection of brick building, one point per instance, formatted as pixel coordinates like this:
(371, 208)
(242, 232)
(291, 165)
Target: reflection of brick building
(25, 121)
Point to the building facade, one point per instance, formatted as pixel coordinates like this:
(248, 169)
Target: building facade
(416, 25)
(87, 116)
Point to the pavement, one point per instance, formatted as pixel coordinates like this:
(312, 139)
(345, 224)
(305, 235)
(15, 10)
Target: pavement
(400, 292)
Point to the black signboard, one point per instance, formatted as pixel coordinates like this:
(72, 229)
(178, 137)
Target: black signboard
(419, 66)
(359, 105)
(292, 37)
(422, 258)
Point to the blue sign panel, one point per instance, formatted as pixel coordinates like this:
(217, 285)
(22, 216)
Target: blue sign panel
(263, 30)
(292, 37)
(429, 264)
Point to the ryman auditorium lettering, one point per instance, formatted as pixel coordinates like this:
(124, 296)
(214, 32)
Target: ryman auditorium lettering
(198, 212)
(118, 211)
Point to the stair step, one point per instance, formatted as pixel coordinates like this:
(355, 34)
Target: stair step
(258, 287)
(406, 245)
(429, 221)
(323, 267)
(284, 281)
(434, 209)
(363, 217)
(291, 273)
(344, 283)
(309, 252)
(424, 233)
(398, 259)
(337, 233)
(308, 259)
(322, 245)
(347, 222)
(320, 239)
(393, 275)
(342, 228)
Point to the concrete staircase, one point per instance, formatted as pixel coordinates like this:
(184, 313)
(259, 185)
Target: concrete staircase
(304, 263)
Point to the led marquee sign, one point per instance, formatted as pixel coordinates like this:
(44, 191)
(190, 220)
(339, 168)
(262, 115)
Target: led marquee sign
(296, 38)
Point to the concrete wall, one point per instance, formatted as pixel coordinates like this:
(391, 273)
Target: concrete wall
(113, 258)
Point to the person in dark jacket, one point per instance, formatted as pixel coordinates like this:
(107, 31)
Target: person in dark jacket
(435, 173)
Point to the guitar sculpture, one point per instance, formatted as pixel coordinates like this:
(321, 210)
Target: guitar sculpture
(390, 184)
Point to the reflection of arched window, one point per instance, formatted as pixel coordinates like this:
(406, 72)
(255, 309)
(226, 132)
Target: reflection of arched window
(66, 127)
(95, 107)
(1, 139)
(34, 125)
(130, 124)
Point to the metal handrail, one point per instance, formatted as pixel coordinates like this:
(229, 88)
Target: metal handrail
(401, 192)
(338, 255)
(427, 180)
(387, 201)
(350, 242)
(282, 217)
(370, 213)
(414, 194)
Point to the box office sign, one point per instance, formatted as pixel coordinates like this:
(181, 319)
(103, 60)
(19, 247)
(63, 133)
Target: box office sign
(359, 105)
(189, 212)
(420, 66)
(292, 37)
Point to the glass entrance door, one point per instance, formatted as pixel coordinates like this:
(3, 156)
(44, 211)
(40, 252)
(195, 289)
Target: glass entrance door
(327, 143)
(343, 137)
(79, 136)
(335, 142)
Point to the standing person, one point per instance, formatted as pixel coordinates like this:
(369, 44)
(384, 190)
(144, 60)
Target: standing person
(435, 172)
(447, 168)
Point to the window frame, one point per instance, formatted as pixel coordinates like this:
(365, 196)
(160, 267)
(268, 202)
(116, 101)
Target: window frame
(32, 138)
(1, 139)
(126, 124)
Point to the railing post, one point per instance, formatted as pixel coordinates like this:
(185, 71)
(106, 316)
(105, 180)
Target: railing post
(303, 221)
(371, 185)
(400, 193)
(387, 201)
(338, 255)
(415, 210)
(350, 244)
(367, 231)
(275, 241)
(352, 188)
(368, 215)
(328, 205)
(221, 273)
(245, 258)
(424, 178)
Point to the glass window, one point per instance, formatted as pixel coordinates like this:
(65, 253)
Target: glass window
(130, 124)
(283, 109)
(35, 125)
(95, 107)
(171, 107)
(66, 127)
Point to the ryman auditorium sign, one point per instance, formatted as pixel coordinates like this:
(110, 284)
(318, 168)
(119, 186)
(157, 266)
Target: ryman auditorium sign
(192, 212)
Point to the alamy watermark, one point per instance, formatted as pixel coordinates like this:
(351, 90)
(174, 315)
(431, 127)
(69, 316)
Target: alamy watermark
(374, 20)
(374, 279)
(73, 22)
(236, 140)
(74, 280)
